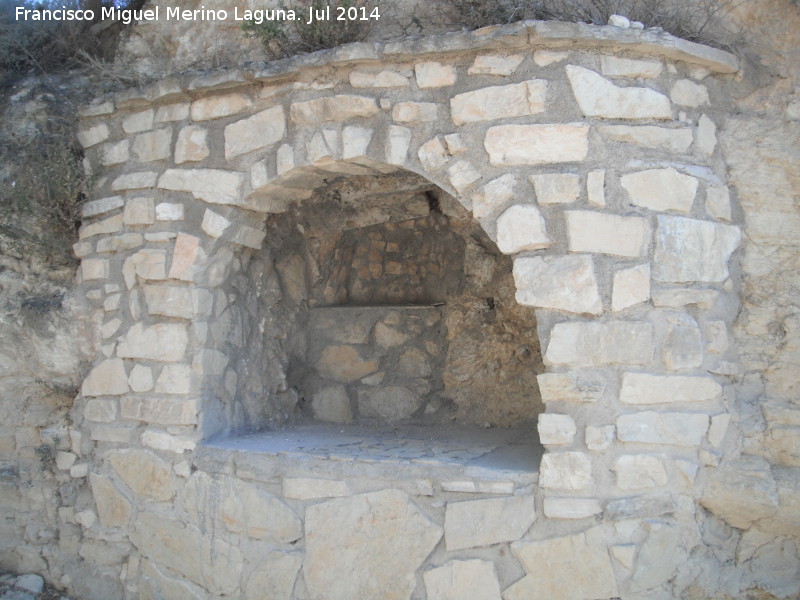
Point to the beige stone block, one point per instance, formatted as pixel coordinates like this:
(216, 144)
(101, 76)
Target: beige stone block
(82, 249)
(192, 145)
(135, 181)
(397, 143)
(433, 155)
(215, 107)
(106, 379)
(79, 471)
(615, 66)
(380, 539)
(263, 129)
(659, 558)
(649, 136)
(184, 255)
(113, 508)
(674, 429)
(214, 224)
(462, 175)
(631, 287)
(592, 344)
(163, 342)
(741, 492)
(390, 403)
(495, 64)
(462, 580)
(470, 486)
(512, 145)
(118, 243)
(643, 388)
(275, 577)
(595, 187)
(99, 207)
(688, 93)
(566, 471)
(211, 185)
(172, 112)
(455, 144)
(338, 108)
(117, 434)
(313, 488)
(139, 211)
(147, 264)
(174, 379)
(343, 363)
(103, 227)
(160, 440)
(177, 301)
(494, 195)
(152, 146)
(162, 411)
(521, 228)
(556, 188)
(571, 508)
(169, 211)
(499, 102)
(565, 283)
(381, 79)
(93, 269)
(718, 203)
(434, 75)
(65, 460)
(603, 233)
(543, 58)
(100, 411)
(599, 438)
(284, 158)
(140, 121)
(355, 141)
(141, 378)
(690, 250)
(155, 583)
(114, 153)
(475, 523)
(569, 387)
(247, 509)
(415, 112)
(598, 97)
(556, 430)
(680, 297)
(92, 136)
(661, 189)
(143, 472)
(706, 136)
(111, 302)
(640, 471)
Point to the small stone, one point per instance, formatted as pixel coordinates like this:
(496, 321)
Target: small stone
(556, 430)
(640, 471)
(434, 75)
(382, 79)
(397, 144)
(494, 195)
(135, 181)
(339, 108)
(604, 233)
(566, 471)
(592, 344)
(215, 107)
(81, 470)
(433, 155)
(619, 21)
(31, 583)
(332, 405)
(521, 228)
(141, 379)
(462, 175)
(658, 557)
(390, 403)
(544, 58)
(355, 141)
(595, 187)
(475, 523)
(598, 97)
(169, 211)
(101, 206)
(311, 488)
(174, 379)
(165, 342)
(152, 146)
(139, 211)
(65, 460)
(192, 145)
(462, 580)
(106, 379)
(415, 112)
(599, 438)
(615, 66)
(109, 225)
(631, 287)
(172, 112)
(706, 136)
(495, 64)
(650, 136)
(114, 153)
(143, 472)
(718, 203)
(718, 429)
(556, 188)
(343, 363)
(565, 283)
(214, 224)
(263, 129)
(86, 518)
(141, 121)
(661, 189)
(683, 344)
(569, 387)
(688, 93)
(93, 135)
(513, 145)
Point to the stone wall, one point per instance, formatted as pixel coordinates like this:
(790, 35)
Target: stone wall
(589, 156)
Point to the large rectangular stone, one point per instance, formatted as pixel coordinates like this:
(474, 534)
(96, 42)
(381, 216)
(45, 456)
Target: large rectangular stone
(690, 250)
(259, 131)
(661, 189)
(587, 344)
(591, 231)
(333, 108)
(644, 388)
(565, 283)
(499, 102)
(566, 471)
(163, 411)
(675, 429)
(569, 387)
(211, 185)
(165, 342)
(489, 521)
(513, 145)
(649, 136)
(598, 97)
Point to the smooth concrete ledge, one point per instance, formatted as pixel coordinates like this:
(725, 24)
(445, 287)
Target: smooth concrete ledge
(525, 34)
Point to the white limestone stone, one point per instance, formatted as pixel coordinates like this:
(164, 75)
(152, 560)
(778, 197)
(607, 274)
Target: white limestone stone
(434, 75)
(512, 145)
(680, 297)
(153, 145)
(494, 195)
(520, 228)
(690, 250)
(139, 211)
(218, 186)
(163, 411)
(556, 430)
(462, 580)
(141, 378)
(565, 283)
(571, 386)
(462, 175)
(495, 64)
(544, 58)
(322, 148)
(474, 523)
(592, 344)
(630, 287)
(595, 187)
(644, 388)
(113, 508)
(101, 206)
(174, 379)
(105, 226)
(192, 144)
(718, 203)
(619, 21)
(378, 539)
(284, 159)
(556, 188)
(659, 557)
(263, 129)
(433, 155)
(674, 429)
(100, 410)
(106, 379)
(603, 233)
(573, 567)
(706, 136)
(389, 403)
(148, 264)
(119, 243)
(566, 471)
(338, 108)
(381, 79)
(161, 440)
(615, 66)
(640, 471)
(661, 189)
(115, 153)
(215, 107)
(313, 488)
(163, 342)
(135, 181)
(650, 136)
(143, 472)
(141, 121)
(169, 211)
(688, 93)
(598, 97)
(415, 112)
(455, 144)
(741, 492)
(499, 102)
(355, 141)
(172, 112)
(397, 144)
(571, 508)
(599, 437)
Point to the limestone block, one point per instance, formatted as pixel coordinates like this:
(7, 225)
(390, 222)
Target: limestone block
(603, 233)
(116, 434)
(101, 206)
(615, 66)
(569, 387)
(163, 342)
(247, 509)
(690, 250)
(631, 287)
(163, 411)
(192, 145)
(495, 64)
(139, 211)
(463, 580)
(599, 437)
(544, 58)
(649, 136)
(118, 243)
(105, 226)
(147, 264)
(215, 107)
(184, 254)
(343, 363)
(556, 430)
(565, 283)
(379, 539)
(211, 185)
(706, 135)
(381, 79)
(590, 344)
(355, 141)
(574, 567)
(106, 379)
(683, 344)
(81, 470)
(92, 136)
(659, 557)
(520, 228)
(566, 471)
(512, 145)
(141, 378)
(338, 108)
(462, 175)
(99, 410)
(284, 159)
(434, 75)
(113, 508)
(214, 224)
(143, 472)
(688, 93)
(640, 471)
(643, 388)
(494, 195)
(177, 301)
(595, 187)
(161, 440)
(82, 249)
(474, 523)
(718, 203)
(322, 147)
(455, 144)
(114, 153)
(397, 144)
(156, 583)
(571, 508)
(332, 405)
(154, 145)
(680, 297)
(141, 121)
(259, 131)
(556, 188)
(275, 577)
(65, 460)
(661, 189)
(741, 492)
(499, 102)
(172, 112)
(391, 403)
(415, 112)
(312, 488)
(675, 429)
(598, 97)
(433, 155)
(135, 181)
(174, 379)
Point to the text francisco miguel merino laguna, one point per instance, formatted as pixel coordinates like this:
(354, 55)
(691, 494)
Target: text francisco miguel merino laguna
(128, 16)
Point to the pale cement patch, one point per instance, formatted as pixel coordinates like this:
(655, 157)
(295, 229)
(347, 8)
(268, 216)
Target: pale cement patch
(640, 471)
